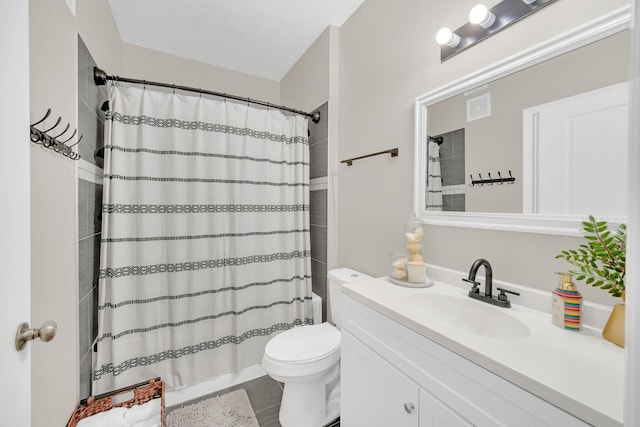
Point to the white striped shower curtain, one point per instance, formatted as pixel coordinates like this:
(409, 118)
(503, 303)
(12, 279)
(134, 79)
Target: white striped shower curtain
(205, 251)
(434, 178)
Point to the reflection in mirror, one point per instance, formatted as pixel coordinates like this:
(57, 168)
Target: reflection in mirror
(559, 127)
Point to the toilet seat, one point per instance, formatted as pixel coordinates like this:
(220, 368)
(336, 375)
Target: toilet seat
(304, 344)
(300, 351)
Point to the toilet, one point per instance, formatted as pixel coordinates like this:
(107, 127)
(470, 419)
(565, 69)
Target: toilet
(307, 360)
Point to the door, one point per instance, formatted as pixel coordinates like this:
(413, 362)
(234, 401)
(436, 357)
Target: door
(15, 294)
(560, 139)
(374, 393)
(434, 413)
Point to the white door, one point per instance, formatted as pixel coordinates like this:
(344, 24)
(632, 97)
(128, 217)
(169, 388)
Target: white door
(372, 392)
(561, 173)
(434, 413)
(15, 294)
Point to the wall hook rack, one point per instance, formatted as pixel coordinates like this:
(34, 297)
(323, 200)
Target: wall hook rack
(490, 180)
(392, 151)
(43, 138)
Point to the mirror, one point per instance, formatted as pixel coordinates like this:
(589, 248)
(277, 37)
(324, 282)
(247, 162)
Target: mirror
(534, 143)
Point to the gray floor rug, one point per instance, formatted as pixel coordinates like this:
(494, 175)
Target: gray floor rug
(229, 410)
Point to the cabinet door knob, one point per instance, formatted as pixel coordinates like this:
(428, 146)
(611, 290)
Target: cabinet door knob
(408, 408)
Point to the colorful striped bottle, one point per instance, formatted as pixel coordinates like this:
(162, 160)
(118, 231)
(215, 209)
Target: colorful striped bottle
(567, 304)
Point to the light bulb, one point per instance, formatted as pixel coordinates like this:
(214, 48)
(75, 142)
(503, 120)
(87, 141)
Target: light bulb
(480, 15)
(446, 37)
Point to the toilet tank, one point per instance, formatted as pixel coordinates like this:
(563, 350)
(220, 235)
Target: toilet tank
(335, 279)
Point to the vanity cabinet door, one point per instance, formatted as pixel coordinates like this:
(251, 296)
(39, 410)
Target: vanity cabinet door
(374, 393)
(434, 413)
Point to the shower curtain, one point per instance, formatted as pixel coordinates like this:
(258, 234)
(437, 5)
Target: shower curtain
(205, 251)
(434, 178)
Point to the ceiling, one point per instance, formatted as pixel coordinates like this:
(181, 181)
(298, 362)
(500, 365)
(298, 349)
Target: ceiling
(264, 38)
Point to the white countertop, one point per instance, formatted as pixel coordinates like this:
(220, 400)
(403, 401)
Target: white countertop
(579, 372)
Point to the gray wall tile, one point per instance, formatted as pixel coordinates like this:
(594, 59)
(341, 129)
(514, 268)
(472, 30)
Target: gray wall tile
(319, 283)
(452, 170)
(87, 265)
(92, 95)
(319, 131)
(458, 202)
(85, 376)
(446, 148)
(83, 214)
(90, 125)
(318, 207)
(318, 158)
(92, 130)
(458, 142)
(319, 243)
(447, 202)
(84, 326)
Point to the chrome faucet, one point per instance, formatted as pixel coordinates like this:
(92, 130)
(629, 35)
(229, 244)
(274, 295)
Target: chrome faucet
(501, 300)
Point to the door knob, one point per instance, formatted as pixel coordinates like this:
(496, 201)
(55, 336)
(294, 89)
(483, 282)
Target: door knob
(46, 333)
(408, 407)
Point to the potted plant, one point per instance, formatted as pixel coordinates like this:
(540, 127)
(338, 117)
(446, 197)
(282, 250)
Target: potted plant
(601, 263)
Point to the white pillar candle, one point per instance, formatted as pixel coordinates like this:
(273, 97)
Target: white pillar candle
(416, 271)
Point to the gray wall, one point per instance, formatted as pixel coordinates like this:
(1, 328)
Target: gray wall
(91, 126)
(318, 146)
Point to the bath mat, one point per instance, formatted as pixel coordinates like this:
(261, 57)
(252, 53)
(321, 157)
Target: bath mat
(229, 410)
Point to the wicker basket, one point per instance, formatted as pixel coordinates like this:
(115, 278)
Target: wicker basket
(142, 393)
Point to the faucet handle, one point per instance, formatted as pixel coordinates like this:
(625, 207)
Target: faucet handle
(474, 288)
(502, 296)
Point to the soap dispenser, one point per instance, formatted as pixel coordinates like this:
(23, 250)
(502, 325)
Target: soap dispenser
(567, 304)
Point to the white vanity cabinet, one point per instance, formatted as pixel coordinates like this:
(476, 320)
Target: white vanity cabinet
(393, 376)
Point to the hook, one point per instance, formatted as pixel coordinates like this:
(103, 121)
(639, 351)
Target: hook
(501, 179)
(72, 135)
(35, 135)
(65, 129)
(490, 183)
(77, 142)
(471, 177)
(51, 128)
(44, 118)
(510, 175)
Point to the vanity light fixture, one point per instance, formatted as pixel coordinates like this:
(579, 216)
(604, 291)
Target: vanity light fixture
(480, 15)
(445, 36)
(484, 22)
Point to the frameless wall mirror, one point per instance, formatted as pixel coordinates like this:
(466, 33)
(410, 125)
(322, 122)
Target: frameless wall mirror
(534, 143)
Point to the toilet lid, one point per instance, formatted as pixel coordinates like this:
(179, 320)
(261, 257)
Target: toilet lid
(304, 343)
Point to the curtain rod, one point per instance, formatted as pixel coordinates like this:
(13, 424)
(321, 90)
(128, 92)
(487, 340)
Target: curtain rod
(100, 78)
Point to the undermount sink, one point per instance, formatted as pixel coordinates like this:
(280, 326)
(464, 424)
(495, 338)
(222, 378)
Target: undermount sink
(475, 317)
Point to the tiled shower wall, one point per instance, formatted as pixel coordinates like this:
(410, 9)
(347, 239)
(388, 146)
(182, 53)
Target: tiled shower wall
(318, 153)
(452, 170)
(91, 126)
